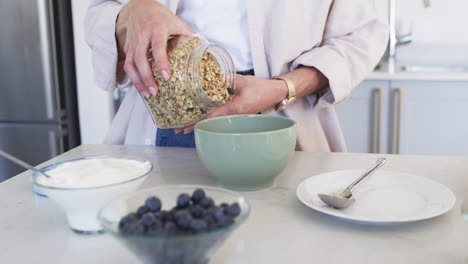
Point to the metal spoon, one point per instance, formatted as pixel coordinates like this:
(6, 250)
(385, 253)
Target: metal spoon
(21, 163)
(345, 198)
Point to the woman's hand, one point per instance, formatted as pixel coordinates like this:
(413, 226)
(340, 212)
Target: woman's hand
(252, 95)
(143, 25)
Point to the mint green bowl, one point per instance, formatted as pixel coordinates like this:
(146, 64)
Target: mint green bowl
(246, 152)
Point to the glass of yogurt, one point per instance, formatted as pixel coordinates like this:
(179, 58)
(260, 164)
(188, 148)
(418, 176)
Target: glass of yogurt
(81, 186)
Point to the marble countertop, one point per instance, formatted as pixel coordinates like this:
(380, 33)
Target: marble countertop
(279, 230)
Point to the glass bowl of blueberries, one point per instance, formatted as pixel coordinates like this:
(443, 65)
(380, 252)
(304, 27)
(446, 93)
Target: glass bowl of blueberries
(175, 224)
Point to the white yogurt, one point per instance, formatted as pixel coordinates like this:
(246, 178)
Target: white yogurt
(71, 185)
(97, 172)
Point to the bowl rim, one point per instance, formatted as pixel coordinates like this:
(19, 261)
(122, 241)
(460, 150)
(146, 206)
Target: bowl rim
(199, 130)
(55, 164)
(241, 219)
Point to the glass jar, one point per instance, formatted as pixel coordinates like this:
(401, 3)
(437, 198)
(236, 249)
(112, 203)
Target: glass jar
(203, 77)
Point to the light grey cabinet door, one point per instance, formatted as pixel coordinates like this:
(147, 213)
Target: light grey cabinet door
(429, 117)
(363, 117)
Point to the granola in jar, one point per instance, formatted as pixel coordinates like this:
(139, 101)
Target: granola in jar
(203, 77)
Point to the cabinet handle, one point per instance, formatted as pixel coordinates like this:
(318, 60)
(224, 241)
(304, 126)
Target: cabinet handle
(378, 94)
(398, 120)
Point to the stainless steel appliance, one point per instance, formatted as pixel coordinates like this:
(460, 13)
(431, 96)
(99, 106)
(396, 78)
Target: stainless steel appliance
(38, 108)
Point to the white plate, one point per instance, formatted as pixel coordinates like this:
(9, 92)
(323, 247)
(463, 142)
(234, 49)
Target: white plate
(385, 197)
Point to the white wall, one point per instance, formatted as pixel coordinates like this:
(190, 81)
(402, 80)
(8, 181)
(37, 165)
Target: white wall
(445, 21)
(94, 105)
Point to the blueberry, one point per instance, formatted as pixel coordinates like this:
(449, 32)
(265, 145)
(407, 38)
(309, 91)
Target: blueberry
(210, 223)
(132, 216)
(183, 200)
(224, 222)
(233, 210)
(136, 229)
(142, 210)
(155, 227)
(197, 225)
(224, 205)
(148, 219)
(170, 216)
(153, 204)
(206, 202)
(160, 215)
(197, 195)
(206, 212)
(183, 219)
(217, 213)
(196, 211)
(125, 229)
(179, 214)
(170, 226)
(128, 219)
(123, 225)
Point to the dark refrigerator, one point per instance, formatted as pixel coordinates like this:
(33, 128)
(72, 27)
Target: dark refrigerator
(38, 104)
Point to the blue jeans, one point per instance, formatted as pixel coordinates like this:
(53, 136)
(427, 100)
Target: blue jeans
(168, 138)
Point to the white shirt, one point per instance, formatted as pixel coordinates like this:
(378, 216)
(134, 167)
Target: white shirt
(222, 22)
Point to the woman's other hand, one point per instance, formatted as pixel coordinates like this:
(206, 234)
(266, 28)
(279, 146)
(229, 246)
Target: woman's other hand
(253, 95)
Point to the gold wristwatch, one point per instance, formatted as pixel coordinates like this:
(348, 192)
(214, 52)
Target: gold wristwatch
(291, 93)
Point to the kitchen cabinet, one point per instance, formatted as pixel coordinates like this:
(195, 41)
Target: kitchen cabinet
(407, 117)
(362, 120)
(433, 117)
